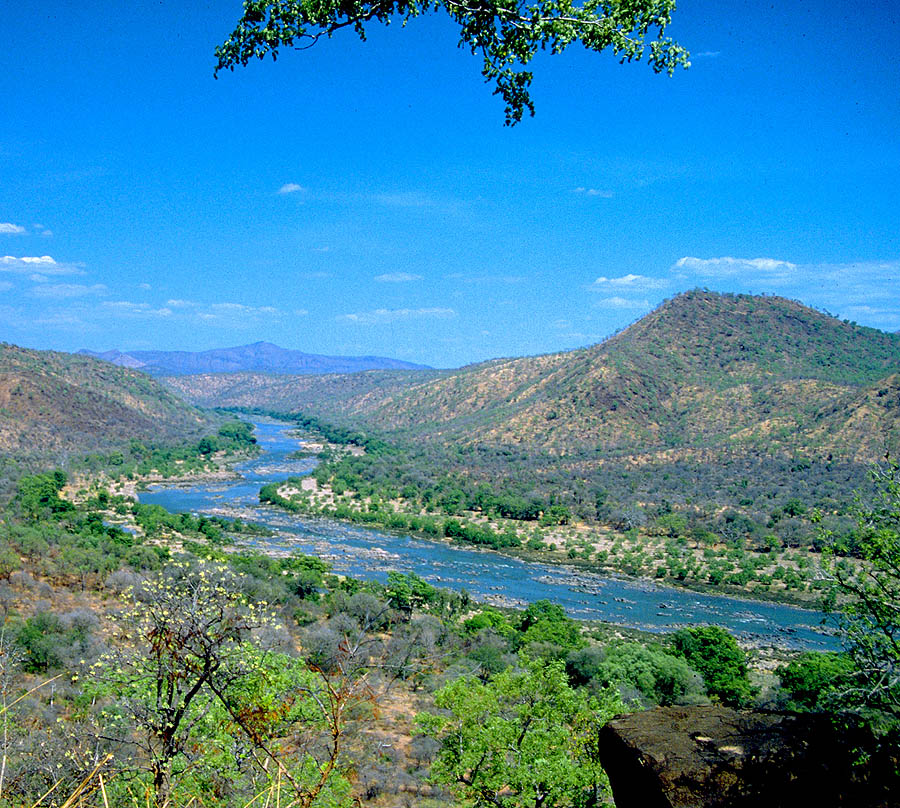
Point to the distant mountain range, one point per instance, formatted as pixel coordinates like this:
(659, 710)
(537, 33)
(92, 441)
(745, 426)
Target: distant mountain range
(261, 357)
(703, 371)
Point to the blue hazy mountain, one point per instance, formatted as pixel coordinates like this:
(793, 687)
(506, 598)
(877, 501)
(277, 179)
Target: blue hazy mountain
(260, 357)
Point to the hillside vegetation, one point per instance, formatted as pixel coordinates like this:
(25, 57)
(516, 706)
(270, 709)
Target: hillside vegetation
(344, 395)
(54, 406)
(703, 371)
(276, 682)
(139, 669)
(709, 444)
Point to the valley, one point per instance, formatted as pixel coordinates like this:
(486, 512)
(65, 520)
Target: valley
(718, 443)
(705, 373)
(627, 526)
(366, 548)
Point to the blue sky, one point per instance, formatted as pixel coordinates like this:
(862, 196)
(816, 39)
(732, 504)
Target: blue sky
(365, 198)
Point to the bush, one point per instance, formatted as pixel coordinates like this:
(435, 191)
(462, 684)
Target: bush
(546, 630)
(714, 653)
(489, 618)
(815, 681)
(490, 651)
(370, 613)
(660, 677)
(870, 596)
(38, 495)
(41, 639)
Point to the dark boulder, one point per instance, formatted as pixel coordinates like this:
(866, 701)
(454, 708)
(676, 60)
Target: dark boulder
(712, 757)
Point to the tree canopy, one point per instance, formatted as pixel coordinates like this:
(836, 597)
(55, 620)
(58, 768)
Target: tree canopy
(716, 656)
(507, 34)
(524, 739)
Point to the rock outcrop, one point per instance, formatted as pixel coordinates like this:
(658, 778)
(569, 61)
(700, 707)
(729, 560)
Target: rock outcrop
(712, 757)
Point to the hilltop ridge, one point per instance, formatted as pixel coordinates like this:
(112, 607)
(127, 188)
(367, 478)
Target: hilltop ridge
(259, 356)
(702, 370)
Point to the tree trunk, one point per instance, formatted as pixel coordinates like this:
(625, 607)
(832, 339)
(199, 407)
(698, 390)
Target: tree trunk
(162, 784)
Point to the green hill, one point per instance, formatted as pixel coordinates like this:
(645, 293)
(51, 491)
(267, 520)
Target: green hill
(53, 405)
(703, 371)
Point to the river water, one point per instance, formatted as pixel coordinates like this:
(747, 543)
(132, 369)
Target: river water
(486, 575)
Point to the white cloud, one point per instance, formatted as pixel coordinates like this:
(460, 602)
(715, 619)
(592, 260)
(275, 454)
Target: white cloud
(868, 278)
(630, 282)
(229, 307)
(144, 286)
(127, 308)
(862, 290)
(301, 312)
(397, 277)
(855, 282)
(618, 302)
(290, 188)
(233, 313)
(46, 264)
(728, 266)
(379, 316)
(64, 319)
(240, 310)
(31, 259)
(8, 228)
(37, 277)
(60, 291)
(593, 192)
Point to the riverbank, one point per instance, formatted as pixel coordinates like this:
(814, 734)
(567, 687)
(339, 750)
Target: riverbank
(791, 578)
(220, 468)
(585, 592)
(352, 549)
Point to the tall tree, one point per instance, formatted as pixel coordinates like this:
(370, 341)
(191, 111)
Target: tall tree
(867, 596)
(507, 34)
(190, 686)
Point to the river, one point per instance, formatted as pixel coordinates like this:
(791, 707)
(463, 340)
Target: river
(488, 576)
